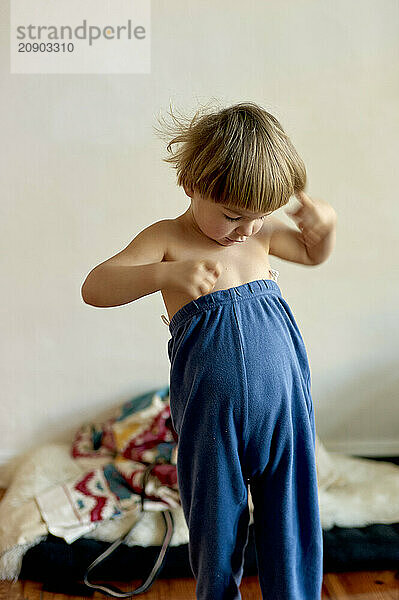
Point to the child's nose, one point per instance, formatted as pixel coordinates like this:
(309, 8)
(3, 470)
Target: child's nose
(245, 230)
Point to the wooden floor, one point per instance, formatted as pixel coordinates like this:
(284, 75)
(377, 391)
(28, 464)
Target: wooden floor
(359, 585)
(378, 585)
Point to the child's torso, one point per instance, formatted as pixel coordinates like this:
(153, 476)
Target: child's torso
(242, 263)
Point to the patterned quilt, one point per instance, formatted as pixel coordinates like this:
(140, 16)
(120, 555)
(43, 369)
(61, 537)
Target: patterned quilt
(141, 445)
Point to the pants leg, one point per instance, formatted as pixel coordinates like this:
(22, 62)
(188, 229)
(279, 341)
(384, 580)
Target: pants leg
(214, 498)
(279, 455)
(288, 534)
(208, 404)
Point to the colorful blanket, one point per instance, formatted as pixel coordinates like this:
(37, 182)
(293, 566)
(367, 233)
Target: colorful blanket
(141, 445)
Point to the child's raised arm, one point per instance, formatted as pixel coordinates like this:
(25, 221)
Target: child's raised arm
(134, 272)
(313, 243)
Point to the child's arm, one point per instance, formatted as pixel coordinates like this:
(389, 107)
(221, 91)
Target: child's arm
(286, 242)
(314, 242)
(132, 273)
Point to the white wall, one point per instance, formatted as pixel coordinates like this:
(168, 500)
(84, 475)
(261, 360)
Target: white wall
(82, 175)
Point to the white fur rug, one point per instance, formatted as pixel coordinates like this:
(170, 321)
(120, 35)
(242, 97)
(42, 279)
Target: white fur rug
(353, 492)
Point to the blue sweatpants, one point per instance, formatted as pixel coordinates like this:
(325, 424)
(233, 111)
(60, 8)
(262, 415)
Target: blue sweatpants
(241, 405)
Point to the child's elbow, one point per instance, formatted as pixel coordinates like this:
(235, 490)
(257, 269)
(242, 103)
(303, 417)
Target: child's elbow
(85, 295)
(318, 260)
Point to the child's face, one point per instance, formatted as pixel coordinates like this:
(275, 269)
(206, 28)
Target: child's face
(227, 226)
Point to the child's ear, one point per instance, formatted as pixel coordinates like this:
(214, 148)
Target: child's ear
(189, 190)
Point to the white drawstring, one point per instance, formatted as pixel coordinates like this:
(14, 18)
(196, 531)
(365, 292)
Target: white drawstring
(274, 273)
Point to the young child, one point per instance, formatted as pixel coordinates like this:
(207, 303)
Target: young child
(240, 385)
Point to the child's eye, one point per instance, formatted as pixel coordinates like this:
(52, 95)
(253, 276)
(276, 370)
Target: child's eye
(238, 218)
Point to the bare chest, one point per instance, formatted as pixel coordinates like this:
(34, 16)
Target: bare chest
(241, 263)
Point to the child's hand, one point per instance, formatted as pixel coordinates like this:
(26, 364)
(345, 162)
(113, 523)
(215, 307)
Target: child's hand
(315, 218)
(193, 277)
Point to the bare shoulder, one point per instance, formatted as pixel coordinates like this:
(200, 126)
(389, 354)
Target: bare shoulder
(148, 246)
(167, 231)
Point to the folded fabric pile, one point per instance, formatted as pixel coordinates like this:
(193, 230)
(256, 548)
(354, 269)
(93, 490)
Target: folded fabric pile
(139, 446)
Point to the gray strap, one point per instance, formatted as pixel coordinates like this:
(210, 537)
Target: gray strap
(115, 592)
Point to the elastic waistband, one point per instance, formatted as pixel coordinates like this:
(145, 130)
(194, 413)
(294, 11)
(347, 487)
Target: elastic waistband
(259, 287)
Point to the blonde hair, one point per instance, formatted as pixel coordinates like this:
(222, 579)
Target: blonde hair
(239, 156)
